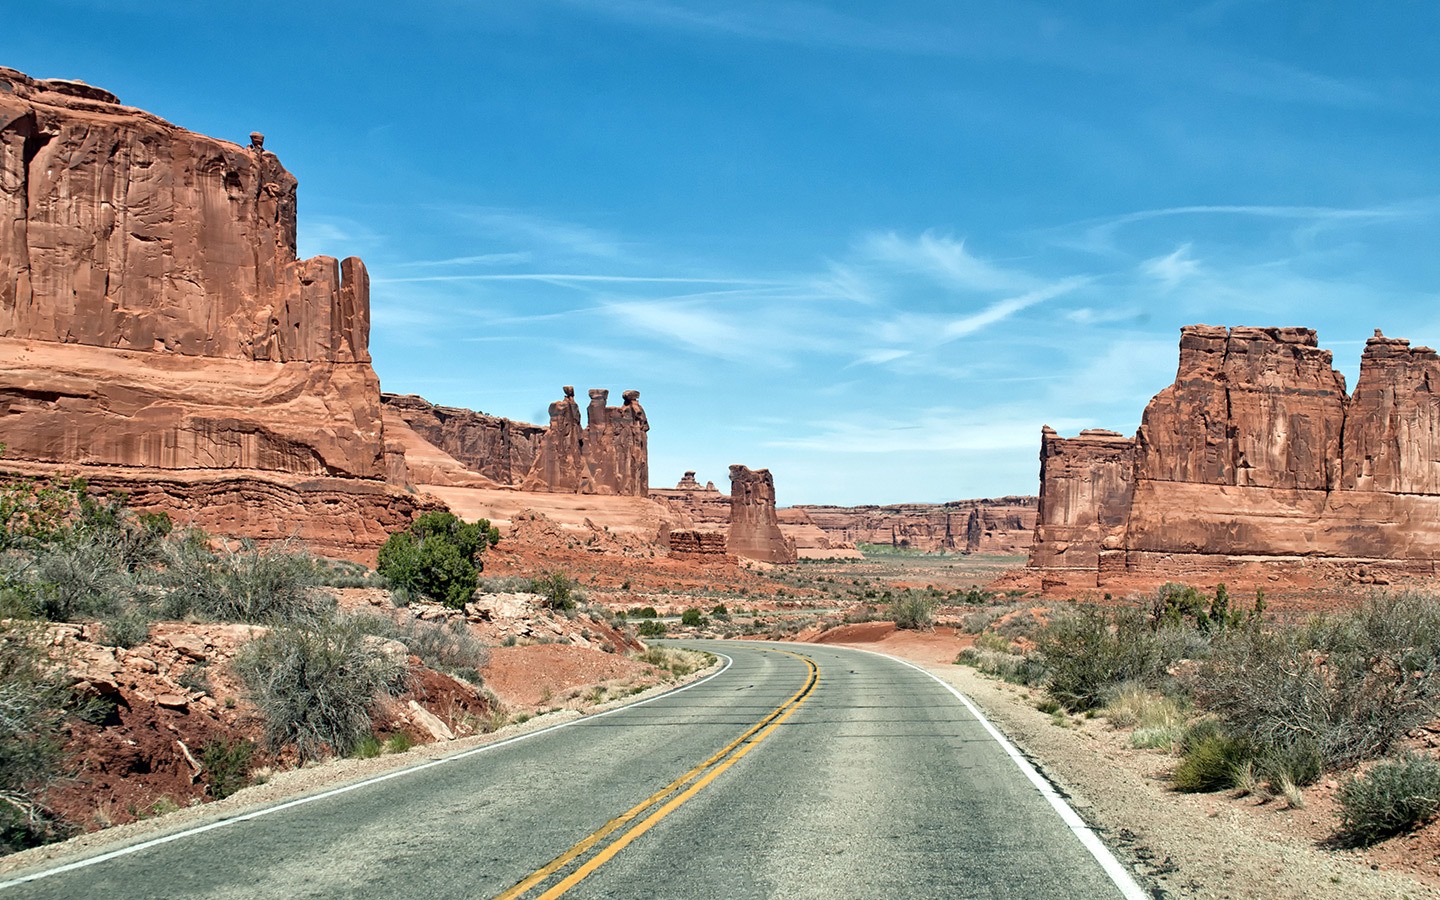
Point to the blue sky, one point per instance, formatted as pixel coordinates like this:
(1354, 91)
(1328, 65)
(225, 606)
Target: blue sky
(871, 246)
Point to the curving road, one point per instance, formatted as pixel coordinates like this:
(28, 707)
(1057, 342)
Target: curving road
(798, 771)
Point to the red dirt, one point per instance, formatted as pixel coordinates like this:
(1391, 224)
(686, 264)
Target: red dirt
(938, 646)
(538, 675)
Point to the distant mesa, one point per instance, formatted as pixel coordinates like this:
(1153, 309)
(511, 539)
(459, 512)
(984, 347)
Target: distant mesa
(1256, 455)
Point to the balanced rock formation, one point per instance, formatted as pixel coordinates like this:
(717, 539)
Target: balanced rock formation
(158, 331)
(1255, 454)
(990, 525)
(754, 528)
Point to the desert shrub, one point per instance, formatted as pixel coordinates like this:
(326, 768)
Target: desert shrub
(692, 618)
(913, 611)
(315, 686)
(1333, 692)
(720, 611)
(437, 555)
(400, 742)
(342, 573)
(1090, 651)
(651, 628)
(369, 747)
(1133, 705)
(36, 511)
(34, 703)
(78, 580)
(242, 584)
(1212, 759)
(557, 590)
(1012, 667)
(127, 629)
(644, 612)
(449, 647)
(226, 765)
(1393, 797)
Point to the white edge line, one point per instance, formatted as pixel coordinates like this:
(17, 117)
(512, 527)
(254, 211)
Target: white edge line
(1117, 872)
(397, 773)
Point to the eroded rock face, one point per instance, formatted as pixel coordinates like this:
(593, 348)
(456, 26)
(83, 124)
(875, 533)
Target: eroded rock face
(499, 449)
(989, 525)
(754, 527)
(1255, 453)
(609, 456)
(154, 316)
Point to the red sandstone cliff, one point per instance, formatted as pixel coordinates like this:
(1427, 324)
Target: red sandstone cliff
(156, 327)
(1256, 453)
(992, 525)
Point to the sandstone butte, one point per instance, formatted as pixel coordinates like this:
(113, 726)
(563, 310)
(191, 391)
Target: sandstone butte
(159, 335)
(1255, 459)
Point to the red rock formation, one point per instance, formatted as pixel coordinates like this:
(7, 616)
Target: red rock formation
(1254, 454)
(1085, 492)
(992, 525)
(154, 317)
(559, 465)
(754, 527)
(809, 540)
(501, 450)
(615, 446)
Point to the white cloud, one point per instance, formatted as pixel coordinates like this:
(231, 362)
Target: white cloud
(944, 260)
(1172, 269)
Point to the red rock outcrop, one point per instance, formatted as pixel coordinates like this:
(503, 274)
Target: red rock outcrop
(609, 456)
(809, 540)
(501, 450)
(754, 528)
(154, 317)
(991, 525)
(1255, 454)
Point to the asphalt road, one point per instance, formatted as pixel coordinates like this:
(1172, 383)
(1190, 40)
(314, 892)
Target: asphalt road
(856, 777)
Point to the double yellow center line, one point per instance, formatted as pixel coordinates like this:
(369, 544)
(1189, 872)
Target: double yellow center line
(667, 799)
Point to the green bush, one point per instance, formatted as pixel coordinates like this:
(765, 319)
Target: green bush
(1212, 760)
(557, 590)
(913, 611)
(651, 628)
(315, 686)
(644, 612)
(1393, 797)
(226, 765)
(437, 556)
(692, 618)
(1090, 651)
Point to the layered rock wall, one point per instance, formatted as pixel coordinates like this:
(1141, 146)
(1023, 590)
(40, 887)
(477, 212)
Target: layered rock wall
(991, 525)
(499, 449)
(154, 316)
(1255, 454)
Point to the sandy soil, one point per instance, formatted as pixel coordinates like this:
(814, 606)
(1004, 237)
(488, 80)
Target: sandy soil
(1181, 845)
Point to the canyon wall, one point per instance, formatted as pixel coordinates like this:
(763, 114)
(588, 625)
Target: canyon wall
(991, 525)
(608, 456)
(156, 323)
(499, 449)
(1256, 454)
